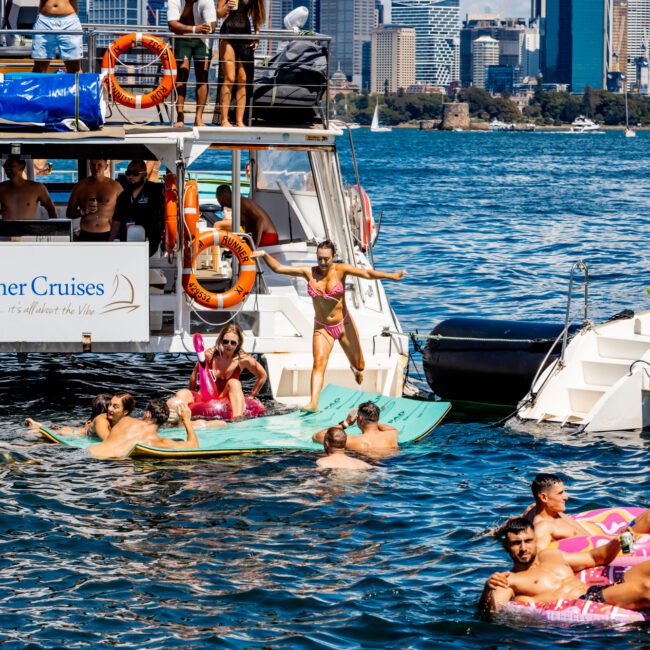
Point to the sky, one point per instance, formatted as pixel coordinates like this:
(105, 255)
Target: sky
(502, 7)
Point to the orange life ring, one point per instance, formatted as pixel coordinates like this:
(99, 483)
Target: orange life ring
(155, 46)
(171, 213)
(191, 206)
(244, 283)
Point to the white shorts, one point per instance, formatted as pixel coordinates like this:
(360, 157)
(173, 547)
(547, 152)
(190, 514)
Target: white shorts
(44, 46)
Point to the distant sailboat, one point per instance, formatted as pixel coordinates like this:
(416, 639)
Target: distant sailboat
(375, 127)
(629, 132)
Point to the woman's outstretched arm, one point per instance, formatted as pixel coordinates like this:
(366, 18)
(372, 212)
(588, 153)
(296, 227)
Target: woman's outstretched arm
(370, 274)
(276, 267)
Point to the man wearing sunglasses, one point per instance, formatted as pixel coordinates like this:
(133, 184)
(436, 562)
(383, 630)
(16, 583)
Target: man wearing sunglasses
(142, 204)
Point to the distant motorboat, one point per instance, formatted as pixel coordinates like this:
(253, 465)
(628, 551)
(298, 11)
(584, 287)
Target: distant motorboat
(630, 132)
(530, 127)
(497, 125)
(375, 127)
(341, 124)
(583, 124)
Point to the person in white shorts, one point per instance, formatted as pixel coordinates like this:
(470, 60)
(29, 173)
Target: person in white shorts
(59, 16)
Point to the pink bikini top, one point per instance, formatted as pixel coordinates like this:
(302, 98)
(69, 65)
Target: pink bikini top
(336, 292)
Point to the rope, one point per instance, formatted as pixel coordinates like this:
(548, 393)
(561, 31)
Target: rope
(442, 337)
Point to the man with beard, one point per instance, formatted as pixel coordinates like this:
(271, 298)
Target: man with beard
(547, 576)
(94, 199)
(142, 204)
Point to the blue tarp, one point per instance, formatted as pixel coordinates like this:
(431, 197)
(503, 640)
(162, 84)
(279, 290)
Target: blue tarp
(54, 102)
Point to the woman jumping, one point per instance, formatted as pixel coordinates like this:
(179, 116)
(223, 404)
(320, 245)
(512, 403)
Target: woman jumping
(332, 321)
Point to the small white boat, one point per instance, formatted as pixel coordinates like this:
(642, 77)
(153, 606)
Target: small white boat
(630, 132)
(583, 124)
(497, 125)
(375, 127)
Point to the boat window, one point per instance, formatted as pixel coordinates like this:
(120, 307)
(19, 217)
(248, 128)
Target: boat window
(292, 168)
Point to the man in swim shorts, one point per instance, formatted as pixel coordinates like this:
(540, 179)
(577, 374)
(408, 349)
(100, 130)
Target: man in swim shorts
(253, 218)
(334, 445)
(93, 199)
(130, 431)
(57, 15)
(549, 575)
(375, 437)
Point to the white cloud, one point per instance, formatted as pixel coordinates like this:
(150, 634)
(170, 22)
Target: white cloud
(503, 7)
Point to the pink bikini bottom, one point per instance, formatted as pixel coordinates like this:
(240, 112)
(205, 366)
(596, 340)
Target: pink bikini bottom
(335, 331)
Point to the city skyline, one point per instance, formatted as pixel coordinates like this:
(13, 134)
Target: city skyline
(504, 7)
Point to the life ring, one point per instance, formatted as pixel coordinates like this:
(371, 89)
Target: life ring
(171, 213)
(244, 283)
(367, 227)
(191, 206)
(156, 46)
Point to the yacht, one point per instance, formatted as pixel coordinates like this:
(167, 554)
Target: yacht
(62, 296)
(497, 125)
(583, 124)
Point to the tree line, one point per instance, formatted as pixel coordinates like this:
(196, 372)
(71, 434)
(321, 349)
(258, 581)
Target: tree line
(545, 108)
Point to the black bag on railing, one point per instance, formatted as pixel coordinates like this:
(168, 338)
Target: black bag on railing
(289, 90)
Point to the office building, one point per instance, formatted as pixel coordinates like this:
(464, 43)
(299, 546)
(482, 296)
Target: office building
(117, 12)
(350, 24)
(618, 50)
(638, 34)
(557, 44)
(530, 57)
(590, 48)
(501, 78)
(437, 27)
(485, 53)
(510, 34)
(393, 58)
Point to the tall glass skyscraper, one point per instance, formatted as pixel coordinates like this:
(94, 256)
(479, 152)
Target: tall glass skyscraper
(117, 12)
(638, 32)
(591, 25)
(557, 42)
(437, 28)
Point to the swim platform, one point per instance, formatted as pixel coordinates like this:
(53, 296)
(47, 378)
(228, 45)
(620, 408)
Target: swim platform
(414, 420)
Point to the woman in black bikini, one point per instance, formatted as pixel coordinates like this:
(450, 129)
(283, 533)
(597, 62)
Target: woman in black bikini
(234, 54)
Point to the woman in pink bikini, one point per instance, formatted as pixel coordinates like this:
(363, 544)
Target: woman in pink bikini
(332, 321)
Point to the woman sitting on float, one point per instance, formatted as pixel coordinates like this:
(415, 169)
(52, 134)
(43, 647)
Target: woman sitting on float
(332, 321)
(217, 372)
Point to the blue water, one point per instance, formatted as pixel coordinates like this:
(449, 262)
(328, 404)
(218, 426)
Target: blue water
(264, 552)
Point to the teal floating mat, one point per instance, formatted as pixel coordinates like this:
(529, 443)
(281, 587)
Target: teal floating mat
(413, 419)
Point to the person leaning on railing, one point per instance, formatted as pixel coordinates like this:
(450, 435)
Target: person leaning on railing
(234, 54)
(57, 16)
(192, 17)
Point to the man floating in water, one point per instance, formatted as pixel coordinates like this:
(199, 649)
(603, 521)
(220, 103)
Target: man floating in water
(548, 575)
(375, 437)
(129, 432)
(334, 445)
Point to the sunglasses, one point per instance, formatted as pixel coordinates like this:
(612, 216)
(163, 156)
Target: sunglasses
(132, 172)
(229, 342)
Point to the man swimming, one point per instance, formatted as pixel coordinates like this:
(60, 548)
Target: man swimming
(549, 513)
(334, 445)
(130, 431)
(375, 437)
(548, 575)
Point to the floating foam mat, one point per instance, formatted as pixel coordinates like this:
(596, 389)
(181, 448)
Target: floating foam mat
(413, 419)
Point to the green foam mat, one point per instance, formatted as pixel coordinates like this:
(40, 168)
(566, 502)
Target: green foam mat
(413, 419)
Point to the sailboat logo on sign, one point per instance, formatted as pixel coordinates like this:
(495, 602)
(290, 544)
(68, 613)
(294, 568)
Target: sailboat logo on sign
(127, 293)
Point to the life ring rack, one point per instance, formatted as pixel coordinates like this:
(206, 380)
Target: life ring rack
(156, 46)
(247, 270)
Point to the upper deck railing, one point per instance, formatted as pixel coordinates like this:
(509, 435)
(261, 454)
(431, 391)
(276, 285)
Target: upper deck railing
(287, 79)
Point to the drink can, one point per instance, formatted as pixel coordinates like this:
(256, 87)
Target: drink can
(627, 542)
(235, 5)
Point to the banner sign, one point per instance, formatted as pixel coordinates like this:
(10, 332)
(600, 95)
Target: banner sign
(59, 292)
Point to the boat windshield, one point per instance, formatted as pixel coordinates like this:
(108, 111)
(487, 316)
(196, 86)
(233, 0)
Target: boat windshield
(289, 168)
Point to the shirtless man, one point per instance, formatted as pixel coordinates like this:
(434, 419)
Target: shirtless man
(254, 219)
(375, 437)
(19, 198)
(549, 513)
(106, 411)
(129, 432)
(546, 576)
(93, 199)
(57, 15)
(334, 445)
